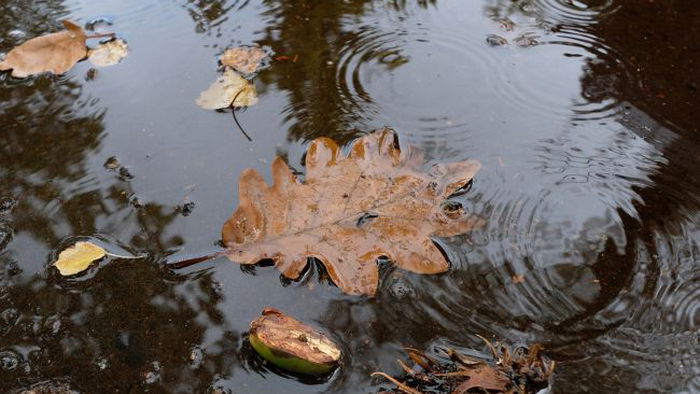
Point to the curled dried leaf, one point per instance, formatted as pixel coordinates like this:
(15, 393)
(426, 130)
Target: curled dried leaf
(519, 371)
(292, 345)
(78, 258)
(245, 60)
(225, 89)
(55, 53)
(108, 53)
(350, 211)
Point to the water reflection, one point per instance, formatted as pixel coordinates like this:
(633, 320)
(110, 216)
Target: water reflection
(326, 46)
(589, 184)
(210, 15)
(132, 323)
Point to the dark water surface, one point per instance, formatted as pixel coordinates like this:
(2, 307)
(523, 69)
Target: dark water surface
(584, 113)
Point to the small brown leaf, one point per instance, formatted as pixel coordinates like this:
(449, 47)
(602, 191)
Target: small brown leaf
(78, 258)
(351, 210)
(485, 377)
(245, 60)
(519, 278)
(228, 87)
(55, 52)
(108, 53)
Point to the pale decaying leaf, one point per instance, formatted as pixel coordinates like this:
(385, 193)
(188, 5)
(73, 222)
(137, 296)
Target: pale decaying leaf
(108, 53)
(244, 59)
(350, 211)
(78, 258)
(227, 87)
(55, 53)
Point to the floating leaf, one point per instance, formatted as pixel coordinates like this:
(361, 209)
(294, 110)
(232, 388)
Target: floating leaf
(108, 53)
(55, 52)
(78, 258)
(227, 87)
(245, 60)
(350, 211)
(292, 345)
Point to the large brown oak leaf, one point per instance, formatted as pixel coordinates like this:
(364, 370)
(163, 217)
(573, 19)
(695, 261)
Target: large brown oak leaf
(349, 211)
(55, 52)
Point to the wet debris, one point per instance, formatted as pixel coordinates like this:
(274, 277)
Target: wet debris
(6, 205)
(49, 388)
(495, 40)
(112, 163)
(526, 40)
(512, 370)
(186, 208)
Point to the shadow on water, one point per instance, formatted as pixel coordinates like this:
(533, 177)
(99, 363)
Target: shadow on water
(583, 114)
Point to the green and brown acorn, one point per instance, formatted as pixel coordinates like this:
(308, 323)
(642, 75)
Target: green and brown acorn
(292, 345)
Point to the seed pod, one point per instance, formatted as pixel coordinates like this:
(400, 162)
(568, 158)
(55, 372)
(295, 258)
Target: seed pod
(292, 345)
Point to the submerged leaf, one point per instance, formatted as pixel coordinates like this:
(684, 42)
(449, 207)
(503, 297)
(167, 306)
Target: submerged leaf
(108, 53)
(292, 345)
(55, 52)
(245, 60)
(350, 211)
(78, 258)
(227, 87)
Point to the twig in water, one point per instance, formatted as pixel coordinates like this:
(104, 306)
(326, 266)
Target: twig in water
(233, 113)
(186, 263)
(398, 384)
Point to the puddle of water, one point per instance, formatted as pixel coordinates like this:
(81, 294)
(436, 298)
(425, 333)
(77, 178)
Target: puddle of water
(584, 115)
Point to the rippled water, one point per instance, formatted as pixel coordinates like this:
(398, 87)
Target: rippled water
(584, 114)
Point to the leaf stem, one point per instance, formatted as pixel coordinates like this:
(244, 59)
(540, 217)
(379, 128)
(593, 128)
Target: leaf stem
(100, 35)
(233, 113)
(194, 260)
(119, 256)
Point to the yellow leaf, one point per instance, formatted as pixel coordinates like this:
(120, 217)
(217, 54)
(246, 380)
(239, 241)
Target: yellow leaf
(78, 258)
(108, 53)
(227, 87)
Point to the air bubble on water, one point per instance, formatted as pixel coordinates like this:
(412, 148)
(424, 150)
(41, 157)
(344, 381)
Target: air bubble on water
(153, 375)
(9, 360)
(13, 268)
(53, 325)
(102, 363)
(5, 234)
(99, 22)
(400, 289)
(196, 357)
(9, 317)
(17, 34)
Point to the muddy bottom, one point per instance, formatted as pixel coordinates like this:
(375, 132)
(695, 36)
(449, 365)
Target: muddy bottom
(583, 113)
